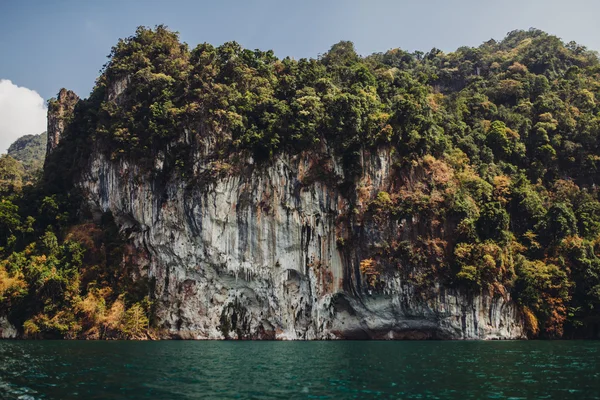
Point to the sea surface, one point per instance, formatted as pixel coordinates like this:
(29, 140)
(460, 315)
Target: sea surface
(299, 370)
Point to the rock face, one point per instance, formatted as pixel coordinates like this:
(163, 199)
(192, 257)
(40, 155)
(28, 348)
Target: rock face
(7, 330)
(59, 111)
(260, 253)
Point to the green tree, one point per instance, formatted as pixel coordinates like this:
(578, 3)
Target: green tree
(11, 175)
(493, 221)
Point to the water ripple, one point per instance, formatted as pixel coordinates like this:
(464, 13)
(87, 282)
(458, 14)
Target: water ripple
(299, 370)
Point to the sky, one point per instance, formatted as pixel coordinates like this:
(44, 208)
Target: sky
(46, 45)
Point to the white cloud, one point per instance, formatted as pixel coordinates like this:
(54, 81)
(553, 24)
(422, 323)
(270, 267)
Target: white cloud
(22, 112)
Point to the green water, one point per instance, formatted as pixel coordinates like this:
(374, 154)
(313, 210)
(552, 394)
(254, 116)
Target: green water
(299, 370)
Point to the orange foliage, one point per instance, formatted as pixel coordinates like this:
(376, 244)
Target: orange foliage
(518, 68)
(368, 267)
(88, 235)
(11, 285)
(440, 172)
(502, 188)
(558, 315)
(531, 321)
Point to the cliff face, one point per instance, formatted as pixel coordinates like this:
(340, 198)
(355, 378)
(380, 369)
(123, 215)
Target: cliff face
(238, 195)
(59, 112)
(264, 253)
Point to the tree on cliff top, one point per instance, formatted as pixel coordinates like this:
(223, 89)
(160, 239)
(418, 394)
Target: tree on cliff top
(495, 149)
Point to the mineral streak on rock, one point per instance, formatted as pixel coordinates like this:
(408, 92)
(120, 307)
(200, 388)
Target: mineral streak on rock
(257, 256)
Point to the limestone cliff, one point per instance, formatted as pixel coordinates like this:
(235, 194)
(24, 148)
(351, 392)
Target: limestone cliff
(59, 112)
(272, 252)
(222, 192)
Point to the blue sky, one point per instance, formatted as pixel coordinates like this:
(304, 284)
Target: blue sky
(46, 45)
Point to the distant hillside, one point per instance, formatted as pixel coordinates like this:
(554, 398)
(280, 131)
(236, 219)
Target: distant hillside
(30, 150)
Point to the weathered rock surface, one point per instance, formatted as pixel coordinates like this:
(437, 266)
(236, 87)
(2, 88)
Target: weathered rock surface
(58, 114)
(7, 330)
(259, 254)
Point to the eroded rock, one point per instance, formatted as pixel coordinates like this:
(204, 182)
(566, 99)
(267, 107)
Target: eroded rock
(258, 256)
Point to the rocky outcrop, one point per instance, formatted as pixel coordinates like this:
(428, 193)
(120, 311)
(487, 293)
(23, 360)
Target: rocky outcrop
(262, 253)
(59, 112)
(7, 330)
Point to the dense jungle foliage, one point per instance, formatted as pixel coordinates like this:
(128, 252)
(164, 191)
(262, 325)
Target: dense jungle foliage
(504, 139)
(30, 150)
(61, 274)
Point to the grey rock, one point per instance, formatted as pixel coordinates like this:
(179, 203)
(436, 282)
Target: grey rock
(59, 112)
(256, 255)
(7, 330)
